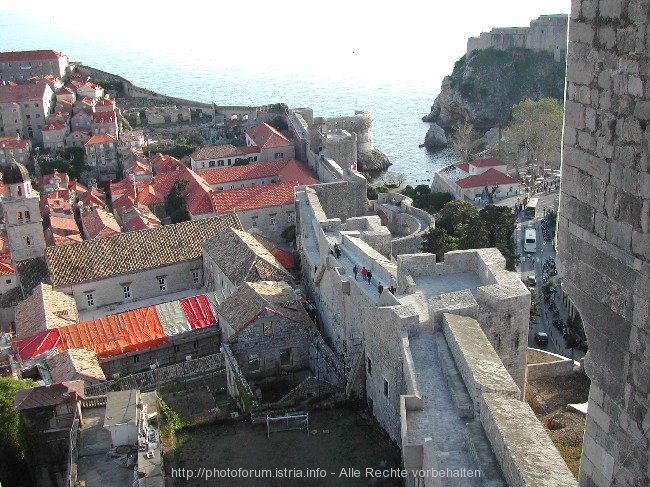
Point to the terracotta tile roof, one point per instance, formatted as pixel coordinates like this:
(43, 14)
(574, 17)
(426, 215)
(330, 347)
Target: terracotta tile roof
(13, 143)
(44, 396)
(491, 177)
(149, 195)
(55, 177)
(56, 201)
(6, 269)
(267, 137)
(217, 152)
(287, 170)
(21, 93)
(77, 186)
(106, 102)
(63, 226)
(165, 163)
(491, 162)
(115, 334)
(93, 198)
(53, 126)
(45, 309)
(100, 139)
(242, 258)
(251, 299)
(133, 251)
(99, 223)
(141, 221)
(464, 166)
(58, 239)
(251, 149)
(39, 55)
(196, 193)
(75, 364)
(137, 167)
(103, 117)
(252, 197)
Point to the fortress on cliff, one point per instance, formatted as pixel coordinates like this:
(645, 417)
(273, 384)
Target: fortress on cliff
(547, 33)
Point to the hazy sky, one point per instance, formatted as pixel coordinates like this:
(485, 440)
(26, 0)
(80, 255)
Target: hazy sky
(401, 39)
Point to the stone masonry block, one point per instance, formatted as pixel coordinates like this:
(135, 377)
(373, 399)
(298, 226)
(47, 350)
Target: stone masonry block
(638, 11)
(591, 119)
(619, 83)
(624, 177)
(600, 225)
(605, 99)
(628, 66)
(570, 136)
(610, 9)
(599, 416)
(605, 80)
(586, 141)
(581, 32)
(575, 10)
(604, 148)
(589, 9)
(581, 68)
(607, 36)
(574, 115)
(620, 234)
(635, 86)
(645, 209)
(624, 155)
(578, 212)
(625, 37)
(642, 109)
(641, 244)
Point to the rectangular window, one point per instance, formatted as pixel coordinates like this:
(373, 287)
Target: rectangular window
(385, 388)
(136, 359)
(27, 216)
(369, 366)
(272, 220)
(279, 155)
(253, 363)
(267, 328)
(221, 163)
(291, 217)
(196, 344)
(211, 164)
(177, 348)
(254, 222)
(285, 357)
(90, 299)
(127, 292)
(162, 283)
(195, 277)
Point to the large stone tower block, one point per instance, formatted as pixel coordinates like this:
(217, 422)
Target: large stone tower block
(604, 229)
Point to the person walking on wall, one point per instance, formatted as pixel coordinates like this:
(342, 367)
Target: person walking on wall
(393, 285)
(364, 273)
(337, 250)
(369, 276)
(355, 269)
(380, 288)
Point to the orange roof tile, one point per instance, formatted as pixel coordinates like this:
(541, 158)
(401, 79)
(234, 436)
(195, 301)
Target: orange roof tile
(30, 55)
(165, 163)
(99, 223)
(216, 152)
(21, 93)
(490, 177)
(115, 334)
(267, 137)
(103, 117)
(287, 170)
(252, 197)
(6, 269)
(490, 162)
(100, 139)
(53, 126)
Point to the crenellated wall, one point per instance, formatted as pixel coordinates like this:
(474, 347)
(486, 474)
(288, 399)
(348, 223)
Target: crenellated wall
(604, 230)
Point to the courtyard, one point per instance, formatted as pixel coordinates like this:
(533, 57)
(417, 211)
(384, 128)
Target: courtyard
(340, 446)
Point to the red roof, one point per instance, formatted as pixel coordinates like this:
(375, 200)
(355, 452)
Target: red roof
(285, 258)
(54, 126)
(29, 55)
(103, 117)
(198, 311)
(251, 149)
(21, 93)
(115, 334)
(13, 143)
(6, 269)
(100, 139)
(491, 177)
(267, 137)
(252, 197)
(491, 162)
(37, 344)
(287, 170)
(165, 163)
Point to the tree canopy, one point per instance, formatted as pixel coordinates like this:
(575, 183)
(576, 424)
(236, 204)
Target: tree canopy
(536, 131)
(72, 160)
(463, 141)
(12, 449)
(175, 202)
(460, 226)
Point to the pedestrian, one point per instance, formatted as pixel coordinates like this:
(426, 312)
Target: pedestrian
(355, 269)
(337, 250)
(369, 276)
(364, 273)
(380, 288)
(393, 285)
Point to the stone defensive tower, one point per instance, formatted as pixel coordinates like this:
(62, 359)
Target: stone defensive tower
(604, 230)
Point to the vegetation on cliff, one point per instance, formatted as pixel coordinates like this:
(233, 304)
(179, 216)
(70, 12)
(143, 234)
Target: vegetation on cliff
(485, 85)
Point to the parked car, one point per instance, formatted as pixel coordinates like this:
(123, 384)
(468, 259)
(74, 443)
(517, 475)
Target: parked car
(541, 338)
(531, 280)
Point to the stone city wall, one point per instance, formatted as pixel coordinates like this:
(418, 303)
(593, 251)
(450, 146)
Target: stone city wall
(604, 230)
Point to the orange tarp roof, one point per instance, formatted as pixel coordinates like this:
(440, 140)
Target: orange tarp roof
(115, 334)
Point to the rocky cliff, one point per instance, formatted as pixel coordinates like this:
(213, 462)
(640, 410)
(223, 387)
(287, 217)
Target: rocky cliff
(485, 84)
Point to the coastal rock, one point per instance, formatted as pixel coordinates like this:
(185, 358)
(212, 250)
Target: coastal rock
(372, 161)
(486, 84)
(436, 137)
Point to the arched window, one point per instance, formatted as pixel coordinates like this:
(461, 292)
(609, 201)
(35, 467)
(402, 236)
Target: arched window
(20, 191)
(27, 217)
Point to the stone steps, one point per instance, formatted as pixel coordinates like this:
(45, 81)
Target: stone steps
(455, 384)
(482, 454)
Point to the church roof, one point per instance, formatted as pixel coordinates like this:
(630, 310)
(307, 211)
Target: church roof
(15, 173)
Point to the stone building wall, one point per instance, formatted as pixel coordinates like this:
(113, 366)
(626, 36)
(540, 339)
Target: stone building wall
(604, 230)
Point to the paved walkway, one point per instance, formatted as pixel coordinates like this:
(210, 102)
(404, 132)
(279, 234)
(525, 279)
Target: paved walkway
(439, 419)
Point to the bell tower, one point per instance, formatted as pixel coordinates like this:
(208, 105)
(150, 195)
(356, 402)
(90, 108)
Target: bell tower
(22, 214)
